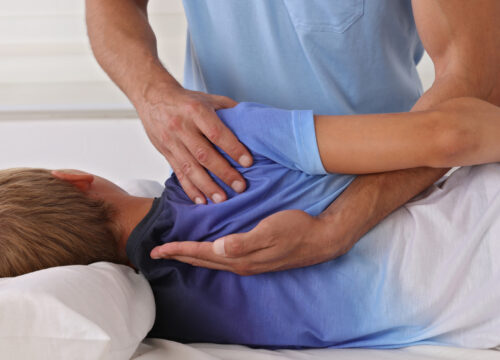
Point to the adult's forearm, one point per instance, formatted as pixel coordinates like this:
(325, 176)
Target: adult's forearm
(371, 198)
(125, 46)
(465, 67)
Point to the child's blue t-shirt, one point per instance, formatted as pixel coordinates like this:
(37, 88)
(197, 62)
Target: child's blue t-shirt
(404, 283)
(197, 304)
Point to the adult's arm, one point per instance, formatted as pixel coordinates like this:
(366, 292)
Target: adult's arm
(463, 40)
(181, 124)
(462, 37)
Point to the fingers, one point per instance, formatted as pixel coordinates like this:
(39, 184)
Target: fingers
(206, 155)
(238, 245)
(184, 248)
(183, 127)
(217, 133)
(231, 246)
(203, 263)
(194, 179)
(189, 188)
(201, 254)
(191, 191)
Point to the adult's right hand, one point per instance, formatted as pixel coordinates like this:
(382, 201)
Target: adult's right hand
(183, 125)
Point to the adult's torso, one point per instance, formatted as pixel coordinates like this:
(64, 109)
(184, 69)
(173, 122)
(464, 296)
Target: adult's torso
(332, 56)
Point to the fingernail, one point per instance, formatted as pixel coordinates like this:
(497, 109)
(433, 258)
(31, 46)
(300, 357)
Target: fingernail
(218, 247)
(217, 198)
(238, 186)
(245, 160)
(198, 201)
(155, 254)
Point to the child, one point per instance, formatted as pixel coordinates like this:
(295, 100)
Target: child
(402, 284)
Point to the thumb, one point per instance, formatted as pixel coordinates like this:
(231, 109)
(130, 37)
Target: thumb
(223, 102)
(236, 245)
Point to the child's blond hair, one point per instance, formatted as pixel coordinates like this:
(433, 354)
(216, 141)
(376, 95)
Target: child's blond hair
(46, 222)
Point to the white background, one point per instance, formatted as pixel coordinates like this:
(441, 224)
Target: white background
(46, 60)
(57, 107)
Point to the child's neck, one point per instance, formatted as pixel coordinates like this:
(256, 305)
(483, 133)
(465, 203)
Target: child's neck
(131, 210)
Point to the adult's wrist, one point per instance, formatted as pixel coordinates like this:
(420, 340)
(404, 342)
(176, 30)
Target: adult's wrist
(369, 199)
(158, 89)
(153, 85)
(355, 211)
(335, 235)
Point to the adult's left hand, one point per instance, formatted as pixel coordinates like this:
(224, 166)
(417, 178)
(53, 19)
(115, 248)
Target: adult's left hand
(287, 239)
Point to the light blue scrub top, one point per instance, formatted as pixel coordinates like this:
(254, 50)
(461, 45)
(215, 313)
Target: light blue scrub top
(331, 56)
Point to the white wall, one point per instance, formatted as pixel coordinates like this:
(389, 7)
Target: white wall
(117, 149)
(46, 60)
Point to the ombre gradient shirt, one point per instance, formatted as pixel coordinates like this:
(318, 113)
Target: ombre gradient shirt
(398, 286)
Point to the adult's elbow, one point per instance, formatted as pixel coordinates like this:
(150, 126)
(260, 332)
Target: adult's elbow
(453, 140)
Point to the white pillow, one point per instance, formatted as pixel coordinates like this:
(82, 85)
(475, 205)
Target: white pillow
(142, 187)
(99, 311)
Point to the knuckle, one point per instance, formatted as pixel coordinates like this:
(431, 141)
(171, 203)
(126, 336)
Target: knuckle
(186, 168)
(228, 174)
(180, 176)
(176, 248)
(197, 249)
(201, 154)
(235, 149)
(164, 137)
(178, 173)
(235, 247)
(168, 250)
(213, 133)
(194, 107)
(174, 124)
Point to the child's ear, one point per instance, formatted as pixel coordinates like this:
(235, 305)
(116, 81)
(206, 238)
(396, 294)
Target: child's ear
(79, 179)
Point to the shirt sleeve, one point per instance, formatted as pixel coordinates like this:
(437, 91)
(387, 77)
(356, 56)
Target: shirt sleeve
(287, 137)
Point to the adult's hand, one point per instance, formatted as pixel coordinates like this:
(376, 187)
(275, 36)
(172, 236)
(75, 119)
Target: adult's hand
(285, 240)
(183, 125)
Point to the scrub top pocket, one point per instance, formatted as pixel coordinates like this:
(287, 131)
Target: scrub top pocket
(324, 15)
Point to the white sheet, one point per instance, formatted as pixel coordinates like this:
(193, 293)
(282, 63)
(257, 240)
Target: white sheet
(157, 349)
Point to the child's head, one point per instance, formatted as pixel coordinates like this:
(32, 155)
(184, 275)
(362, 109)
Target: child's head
(48, 221)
